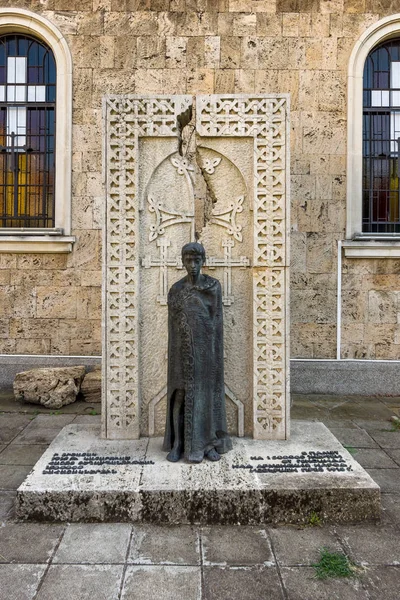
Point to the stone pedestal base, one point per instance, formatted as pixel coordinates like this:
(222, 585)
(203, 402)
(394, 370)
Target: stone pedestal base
(82, 477)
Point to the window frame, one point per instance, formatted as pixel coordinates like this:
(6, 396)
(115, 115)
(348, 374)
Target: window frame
(358, 244)
(58, 239)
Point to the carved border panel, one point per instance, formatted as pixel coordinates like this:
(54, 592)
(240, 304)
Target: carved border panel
(126, 119)
(265, 119)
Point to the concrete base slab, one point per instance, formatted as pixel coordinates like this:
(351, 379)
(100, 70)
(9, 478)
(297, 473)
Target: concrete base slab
(82, 477)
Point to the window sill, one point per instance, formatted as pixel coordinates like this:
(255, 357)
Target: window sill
(371, 249)
(38, 244)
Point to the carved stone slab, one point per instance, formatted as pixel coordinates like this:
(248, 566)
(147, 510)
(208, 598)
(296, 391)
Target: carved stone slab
(136, 127)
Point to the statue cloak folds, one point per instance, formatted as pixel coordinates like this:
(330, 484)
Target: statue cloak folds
(196, 365)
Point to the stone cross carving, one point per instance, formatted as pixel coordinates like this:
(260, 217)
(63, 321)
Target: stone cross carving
(228, 263)
(163, 262)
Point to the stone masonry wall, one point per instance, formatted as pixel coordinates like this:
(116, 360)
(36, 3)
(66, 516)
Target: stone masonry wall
(51, 303)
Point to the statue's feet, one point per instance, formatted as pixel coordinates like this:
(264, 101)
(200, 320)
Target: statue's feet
(213, 455)
(174, 455)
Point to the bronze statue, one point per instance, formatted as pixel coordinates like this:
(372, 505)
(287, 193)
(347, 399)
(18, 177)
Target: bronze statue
(196, 420)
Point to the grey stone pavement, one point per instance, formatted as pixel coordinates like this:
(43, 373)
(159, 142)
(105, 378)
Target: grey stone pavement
(119, 561)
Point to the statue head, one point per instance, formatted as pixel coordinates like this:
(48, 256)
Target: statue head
(193, 258)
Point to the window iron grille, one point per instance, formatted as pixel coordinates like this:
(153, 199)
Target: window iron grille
(381, 140)
(27, 133)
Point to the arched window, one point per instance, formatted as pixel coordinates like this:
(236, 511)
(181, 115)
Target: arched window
(27, 132)
(373, 129)
(381, 139)
(35, 152)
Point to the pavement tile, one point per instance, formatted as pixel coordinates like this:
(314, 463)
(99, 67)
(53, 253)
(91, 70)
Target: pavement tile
(294, 547)
(354, 410)
(300, 584)
(382, 583)
(241, 583)
(89, 419)
(393, 400)
(11, 425)
(7, 500)
(22, 454)
(387, 479)
(164, 582)
(339, 423)
(371, 544)
(394, 454)
(236, 546)
(94, 543)
(173, 545)
(11, 476)
(371, 425)
(38, 435)
(308, 412)
(2, 446)
(391, 507)
(20, 582)
(81, 582)
(386, 439)
(371, 459)
(28, 542)
(51, 421)
(354, 437)
(328, 402)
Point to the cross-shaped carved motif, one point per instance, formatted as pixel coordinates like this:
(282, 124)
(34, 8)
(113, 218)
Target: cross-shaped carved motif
(228, 263)
(163, 262)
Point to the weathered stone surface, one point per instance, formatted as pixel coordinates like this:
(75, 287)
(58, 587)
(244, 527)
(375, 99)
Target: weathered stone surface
(53, 387)
(156, 491)
(91, 386)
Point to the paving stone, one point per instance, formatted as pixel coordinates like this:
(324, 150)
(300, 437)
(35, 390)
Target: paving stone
(300, 584)
(384, 425)
(387, 479)
(20, 582)
(239, 546)
(241, 583)
(22, 455)
(301, 546)
(372, 545)
(166, 582)
(50, 421)
(11, 425)
(11, 476)
(339, 423)
(354, 437)
(2, 446)
(390, 439)
(82, 419)
(394, 454)
(383, 582)
(28, 542)
(176, 545)
(373, 459)
(81, 582)
(372, 410)
(39, 435)
(7, 500)
(94, 543)
(391, 507)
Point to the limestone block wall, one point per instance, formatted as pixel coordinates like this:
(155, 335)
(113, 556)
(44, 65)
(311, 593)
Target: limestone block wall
(51, 304)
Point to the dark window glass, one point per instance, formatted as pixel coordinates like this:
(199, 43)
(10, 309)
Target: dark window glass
(381, 139)
(27, 132)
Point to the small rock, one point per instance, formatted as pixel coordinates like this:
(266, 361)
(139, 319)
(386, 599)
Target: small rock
(394, 419)
(52, 387)
(91, 387)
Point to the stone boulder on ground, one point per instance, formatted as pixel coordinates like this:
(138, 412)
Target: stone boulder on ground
(91, 387)
(53, 387)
